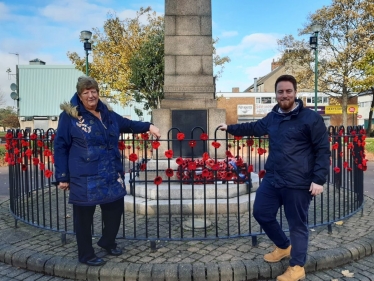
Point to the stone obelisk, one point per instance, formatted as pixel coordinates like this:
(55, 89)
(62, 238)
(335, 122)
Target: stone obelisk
(189, 88)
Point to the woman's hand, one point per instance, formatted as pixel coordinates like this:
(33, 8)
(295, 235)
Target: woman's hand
(154, 131)
(63, 186)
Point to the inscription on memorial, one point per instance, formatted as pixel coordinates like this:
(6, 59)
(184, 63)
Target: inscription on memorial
(189, 89)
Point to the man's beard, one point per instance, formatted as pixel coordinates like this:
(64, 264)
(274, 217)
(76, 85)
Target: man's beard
(287, 104)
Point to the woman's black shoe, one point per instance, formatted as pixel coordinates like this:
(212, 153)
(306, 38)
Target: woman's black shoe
(95, 261)
(114, 252)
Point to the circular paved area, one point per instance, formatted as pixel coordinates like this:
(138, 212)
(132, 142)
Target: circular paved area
(35, 250)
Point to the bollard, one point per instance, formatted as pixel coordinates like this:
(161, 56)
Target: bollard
(254, 241)
(153, 246)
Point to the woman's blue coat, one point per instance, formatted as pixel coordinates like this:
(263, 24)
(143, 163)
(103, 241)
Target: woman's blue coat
(299, 150)
(86, 152)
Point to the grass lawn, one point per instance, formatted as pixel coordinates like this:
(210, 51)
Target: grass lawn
(369, 145)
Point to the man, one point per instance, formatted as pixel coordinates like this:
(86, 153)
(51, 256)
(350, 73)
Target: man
(296, 170)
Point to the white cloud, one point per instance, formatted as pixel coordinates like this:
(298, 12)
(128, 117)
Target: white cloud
(227, 34)
(257, 71)
(4, 11)
(257, 42)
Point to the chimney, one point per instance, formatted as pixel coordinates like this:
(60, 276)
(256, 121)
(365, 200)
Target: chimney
(255, 85)
(275, 64)
(235, 89)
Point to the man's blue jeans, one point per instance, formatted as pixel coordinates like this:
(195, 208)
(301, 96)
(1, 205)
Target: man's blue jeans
(296, 204)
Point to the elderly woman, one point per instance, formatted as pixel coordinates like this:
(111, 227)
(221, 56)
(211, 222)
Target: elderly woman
(88, 162)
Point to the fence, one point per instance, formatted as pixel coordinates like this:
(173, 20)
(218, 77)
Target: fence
(176, 194)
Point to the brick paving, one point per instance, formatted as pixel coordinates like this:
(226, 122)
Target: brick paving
(29, 253)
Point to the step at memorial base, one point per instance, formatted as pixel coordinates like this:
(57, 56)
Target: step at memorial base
(186, 191)
(186, 206)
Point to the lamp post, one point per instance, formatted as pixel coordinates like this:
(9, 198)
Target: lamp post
(313, 41)
(86, 36)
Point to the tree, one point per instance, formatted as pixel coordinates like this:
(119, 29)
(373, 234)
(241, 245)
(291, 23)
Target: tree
(147, 67)
(8, 118)
(128, 58)
(112, 51)
(366, 84)
(345, 36)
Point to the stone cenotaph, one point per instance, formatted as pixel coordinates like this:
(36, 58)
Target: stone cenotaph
(188, 86)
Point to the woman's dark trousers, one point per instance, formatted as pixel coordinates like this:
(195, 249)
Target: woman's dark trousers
(83, 218)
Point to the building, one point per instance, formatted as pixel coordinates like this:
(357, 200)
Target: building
(364, 108)
(41, 90)
(258, 99)
(246, 107)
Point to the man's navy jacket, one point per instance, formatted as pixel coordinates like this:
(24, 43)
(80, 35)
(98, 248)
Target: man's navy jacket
(299, 149)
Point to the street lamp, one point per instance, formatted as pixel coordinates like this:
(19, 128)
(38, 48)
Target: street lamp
(313, 41)
(86, 36)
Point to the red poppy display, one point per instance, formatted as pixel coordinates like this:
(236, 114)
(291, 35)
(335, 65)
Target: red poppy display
(169, 172)
(157, 180)
(335, 146)
(205, 156)
(204, 136)
(250, 142)
(47, 152)
(35, 161)
(143, 167)
(229, 175)
(250, 168)
(238, 137)
(144, 136)
(261, 174)
(205, 173)
(228, 153)
(121, 145)
(192, 143)
(261, 151)
(179, 160)
(41, 166)
(337, 170)
(133, 157)
(180, 136)
(33, 136)
(155, 144)
(216, 144)
(48, 173)
(169, 153)
(192, 166)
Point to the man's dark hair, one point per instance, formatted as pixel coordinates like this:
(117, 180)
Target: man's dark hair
(288, 78)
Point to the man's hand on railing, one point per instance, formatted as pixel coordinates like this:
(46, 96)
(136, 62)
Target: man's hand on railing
(315, 189)
(222, 127)
(63, 186)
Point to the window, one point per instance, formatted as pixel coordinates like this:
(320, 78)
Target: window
(320, 100)
(265, 100)
(364, 104)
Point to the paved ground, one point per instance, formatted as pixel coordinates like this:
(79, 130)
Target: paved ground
(29, 253)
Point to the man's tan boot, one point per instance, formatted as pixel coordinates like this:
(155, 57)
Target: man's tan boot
(293, 273)
(278, 254)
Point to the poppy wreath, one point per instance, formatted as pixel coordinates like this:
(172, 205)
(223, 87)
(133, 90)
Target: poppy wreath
(28, 153)
(207, 170)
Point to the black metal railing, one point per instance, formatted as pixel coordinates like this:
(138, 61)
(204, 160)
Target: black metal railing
(174, 194)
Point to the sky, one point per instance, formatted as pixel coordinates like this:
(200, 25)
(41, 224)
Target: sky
(247, 30)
